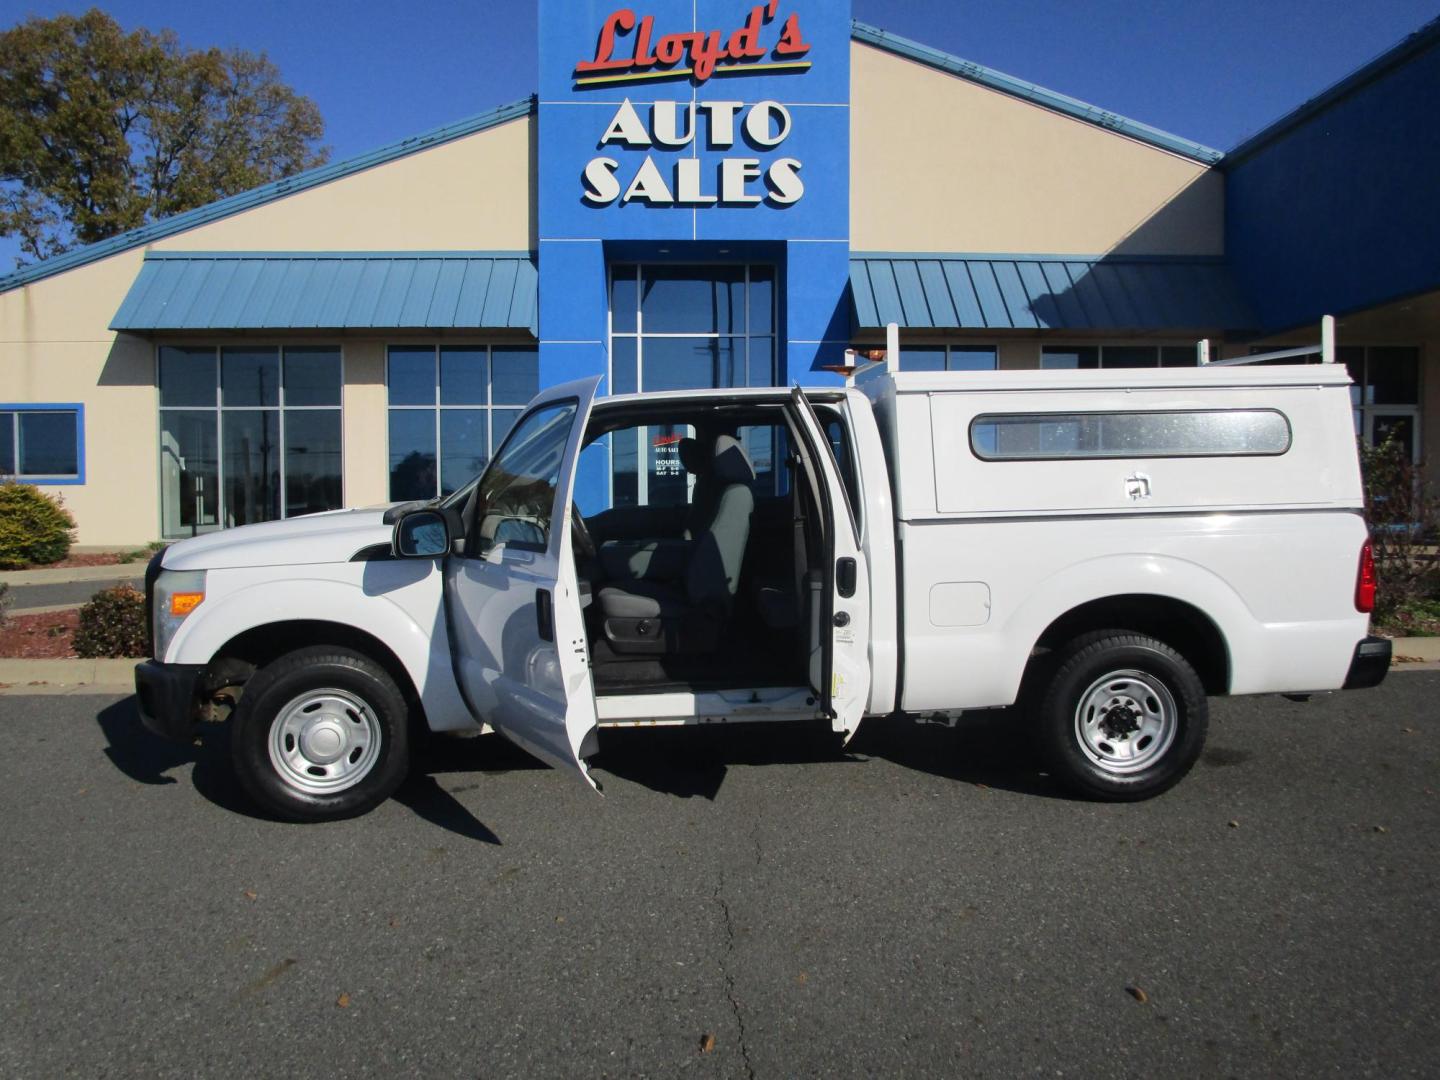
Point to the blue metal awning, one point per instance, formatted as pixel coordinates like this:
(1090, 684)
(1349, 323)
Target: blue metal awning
(332, 291)
(1046, 292)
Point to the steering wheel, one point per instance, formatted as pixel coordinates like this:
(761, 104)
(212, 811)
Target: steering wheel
(582, 541)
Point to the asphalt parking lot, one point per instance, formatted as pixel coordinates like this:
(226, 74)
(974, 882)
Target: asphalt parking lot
(741, 903)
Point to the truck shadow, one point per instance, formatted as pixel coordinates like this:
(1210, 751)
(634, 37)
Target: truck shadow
(986, 749)
(147, 758)
(692, 763)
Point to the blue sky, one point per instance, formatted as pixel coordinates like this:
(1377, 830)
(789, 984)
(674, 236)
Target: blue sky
(1213, 71)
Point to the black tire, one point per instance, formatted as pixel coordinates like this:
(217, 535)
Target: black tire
(1152, 682)
(363, 705)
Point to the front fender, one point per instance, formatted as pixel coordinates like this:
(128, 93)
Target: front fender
(409, 620)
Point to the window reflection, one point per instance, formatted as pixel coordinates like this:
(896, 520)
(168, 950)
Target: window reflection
(248, 434)
(450, 408)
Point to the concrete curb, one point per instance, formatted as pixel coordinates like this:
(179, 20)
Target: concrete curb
(67, 676)
(63, 575)
(48, 609)
(1425, 649)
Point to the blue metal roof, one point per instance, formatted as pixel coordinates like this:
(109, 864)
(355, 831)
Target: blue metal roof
(266, 193)
(1027, 91)
(331, 291)
(1045, 292)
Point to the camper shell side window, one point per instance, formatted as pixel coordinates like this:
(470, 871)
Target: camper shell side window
(1091, 435)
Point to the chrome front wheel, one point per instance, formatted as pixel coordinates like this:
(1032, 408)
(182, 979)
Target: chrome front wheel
(321, 733)
(325, 741)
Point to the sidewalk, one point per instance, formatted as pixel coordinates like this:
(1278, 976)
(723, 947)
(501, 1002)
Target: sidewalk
(118, 676)
(67, 676)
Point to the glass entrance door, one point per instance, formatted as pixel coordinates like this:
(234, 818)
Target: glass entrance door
(682, 328)
(189, 472)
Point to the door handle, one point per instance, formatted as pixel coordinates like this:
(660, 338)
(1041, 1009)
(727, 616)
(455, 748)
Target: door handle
(544, 615)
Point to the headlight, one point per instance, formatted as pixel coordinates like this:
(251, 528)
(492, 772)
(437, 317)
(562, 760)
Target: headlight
(177, 594)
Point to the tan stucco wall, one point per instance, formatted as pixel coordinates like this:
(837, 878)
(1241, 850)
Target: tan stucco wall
(939, 163)
(55, 345)
(471, 194)
(365, 431)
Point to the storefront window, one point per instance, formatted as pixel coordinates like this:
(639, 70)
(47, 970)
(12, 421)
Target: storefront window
(450, 408)
(247, 434)
(947, 358)
(1386, 394)
(1117, 356)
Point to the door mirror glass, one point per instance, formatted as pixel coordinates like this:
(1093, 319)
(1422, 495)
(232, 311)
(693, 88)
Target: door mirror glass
(423, 534)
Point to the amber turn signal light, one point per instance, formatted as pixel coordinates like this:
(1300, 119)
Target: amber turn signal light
(182, 603)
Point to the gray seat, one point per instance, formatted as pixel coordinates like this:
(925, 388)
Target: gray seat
(665, 558)
(705, 496)
(642, 616)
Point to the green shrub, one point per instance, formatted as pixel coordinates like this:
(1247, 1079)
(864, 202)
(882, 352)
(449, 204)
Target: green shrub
(113, 624)
(34, 528)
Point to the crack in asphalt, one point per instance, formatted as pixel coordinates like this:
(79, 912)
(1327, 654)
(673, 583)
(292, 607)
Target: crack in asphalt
(728, 975)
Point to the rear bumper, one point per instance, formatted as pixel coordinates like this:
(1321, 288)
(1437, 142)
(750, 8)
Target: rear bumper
(1370, 664)
(166, 697)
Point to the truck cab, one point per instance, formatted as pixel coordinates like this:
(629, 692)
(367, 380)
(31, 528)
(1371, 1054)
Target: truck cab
(749, 598)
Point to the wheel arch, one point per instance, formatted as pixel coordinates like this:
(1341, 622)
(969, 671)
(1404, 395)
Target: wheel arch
(1180, 624)
(263, 644)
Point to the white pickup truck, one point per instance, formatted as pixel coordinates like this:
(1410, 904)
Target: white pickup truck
(1104, 548)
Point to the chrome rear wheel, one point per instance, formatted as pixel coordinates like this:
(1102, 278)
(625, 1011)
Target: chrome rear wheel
(1126, 720)
(1122, 716)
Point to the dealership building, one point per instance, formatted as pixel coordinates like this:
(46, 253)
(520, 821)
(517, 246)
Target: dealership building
(705, 194)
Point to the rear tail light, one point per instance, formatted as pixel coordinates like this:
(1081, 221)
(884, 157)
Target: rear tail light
(1365, 580)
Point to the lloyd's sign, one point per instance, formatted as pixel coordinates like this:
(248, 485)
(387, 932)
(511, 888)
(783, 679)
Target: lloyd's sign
(698, 54)
(650, 152)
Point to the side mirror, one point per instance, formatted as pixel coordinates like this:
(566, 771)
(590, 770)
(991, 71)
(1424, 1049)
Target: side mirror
(421, 534)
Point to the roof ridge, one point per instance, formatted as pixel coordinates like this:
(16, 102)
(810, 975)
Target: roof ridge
(266, 193)
(1033, 93)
